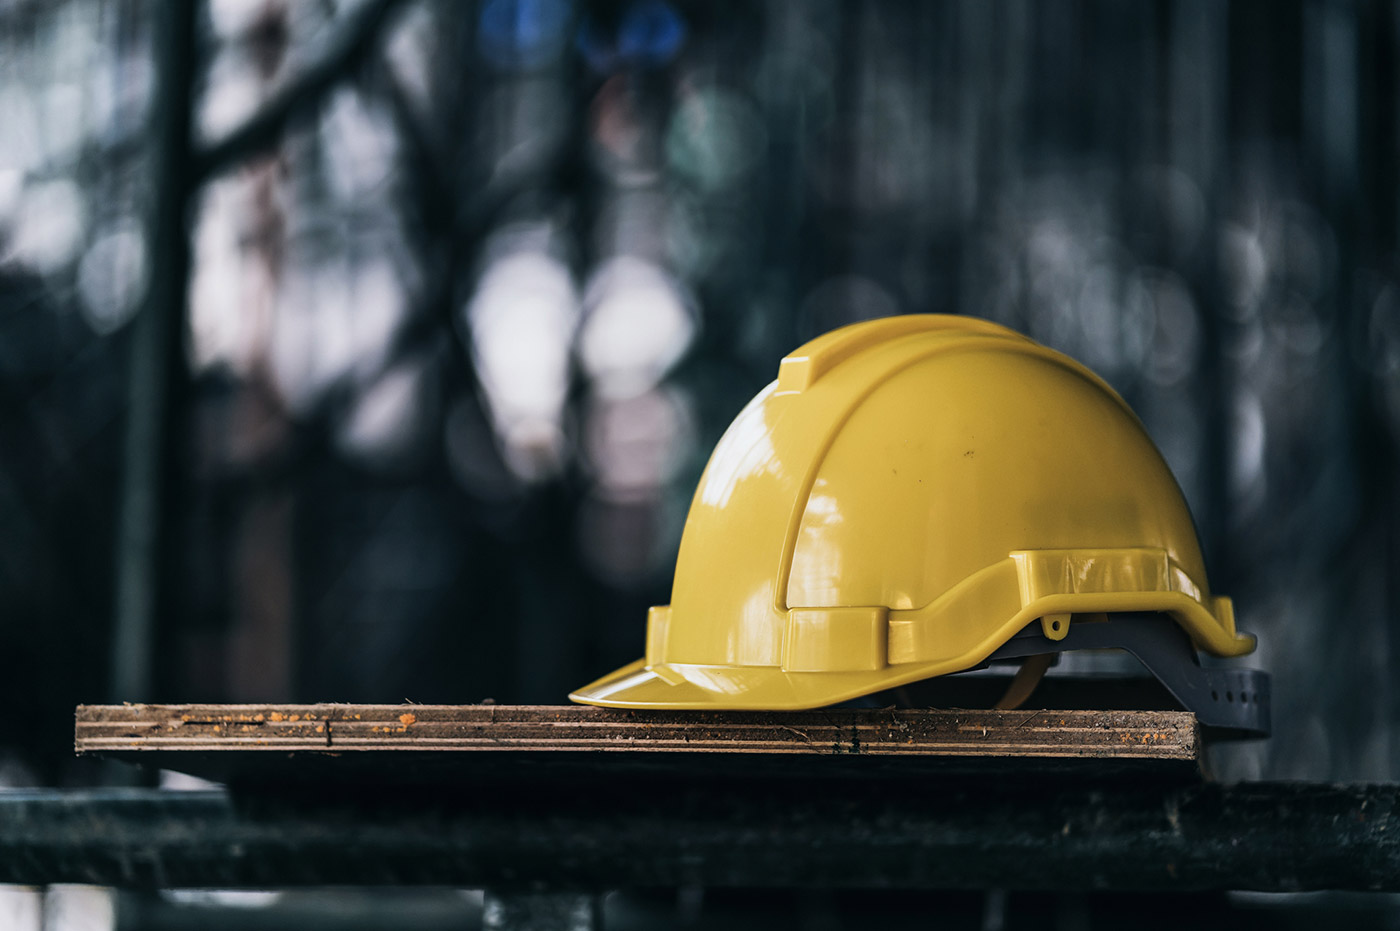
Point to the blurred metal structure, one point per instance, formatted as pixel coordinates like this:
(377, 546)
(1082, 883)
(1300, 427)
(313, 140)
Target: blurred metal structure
(157, 373)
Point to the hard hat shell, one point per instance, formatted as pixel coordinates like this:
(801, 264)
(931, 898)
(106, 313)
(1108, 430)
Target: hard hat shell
(908, 495)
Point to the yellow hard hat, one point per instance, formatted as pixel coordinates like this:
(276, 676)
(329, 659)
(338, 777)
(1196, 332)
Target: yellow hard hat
(915, 496)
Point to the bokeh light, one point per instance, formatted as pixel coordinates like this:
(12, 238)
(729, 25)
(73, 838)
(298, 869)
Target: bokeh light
(522, 318)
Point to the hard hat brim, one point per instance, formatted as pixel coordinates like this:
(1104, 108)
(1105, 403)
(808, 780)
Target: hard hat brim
(691, 686)
(685, 686)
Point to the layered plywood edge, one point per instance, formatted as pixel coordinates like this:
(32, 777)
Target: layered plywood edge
(342, 729)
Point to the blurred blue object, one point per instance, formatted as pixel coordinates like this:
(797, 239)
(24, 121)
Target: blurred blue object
(649, 34)
(524, 34)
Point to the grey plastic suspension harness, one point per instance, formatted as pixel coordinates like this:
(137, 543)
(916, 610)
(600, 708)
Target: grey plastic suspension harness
(1235, 700)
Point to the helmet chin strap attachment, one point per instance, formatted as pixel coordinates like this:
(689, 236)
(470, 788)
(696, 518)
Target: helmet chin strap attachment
(1235, 701)
(1024, 682)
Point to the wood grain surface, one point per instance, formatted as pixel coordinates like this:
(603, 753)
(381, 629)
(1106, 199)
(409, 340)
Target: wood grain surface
(337, 728)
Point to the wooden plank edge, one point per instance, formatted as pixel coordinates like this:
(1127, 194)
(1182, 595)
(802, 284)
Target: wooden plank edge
(445, 728)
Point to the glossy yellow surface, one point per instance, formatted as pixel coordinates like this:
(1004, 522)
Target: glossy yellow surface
(907, 495)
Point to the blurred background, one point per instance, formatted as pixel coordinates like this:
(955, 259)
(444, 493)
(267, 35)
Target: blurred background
(370, 351)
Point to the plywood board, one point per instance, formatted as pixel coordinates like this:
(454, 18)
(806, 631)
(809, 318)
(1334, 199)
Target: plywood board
(418, 741)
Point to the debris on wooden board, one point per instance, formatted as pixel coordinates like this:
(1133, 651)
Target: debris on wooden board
(237, 742)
